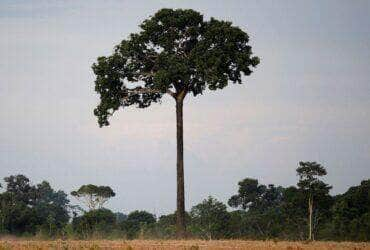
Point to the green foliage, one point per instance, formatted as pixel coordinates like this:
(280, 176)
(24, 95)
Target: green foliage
(249, 192)
(93, 196)
(51, 207)
(254, 196)
(120, 217)
(209, 219)
(270, 213)
(137, 223)
(25, 208)
(238, 226)
(263, 208)
(351, 213)
(96, 223)
(294, 214)
(309, 173)
(176, 52)
(166, 226)
(316, 192)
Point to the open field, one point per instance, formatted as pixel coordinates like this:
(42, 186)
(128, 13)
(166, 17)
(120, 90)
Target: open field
(172, 244)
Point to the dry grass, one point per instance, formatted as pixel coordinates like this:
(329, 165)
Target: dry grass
(172, 244)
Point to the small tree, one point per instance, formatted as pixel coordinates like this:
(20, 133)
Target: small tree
(176, 52)
(99, 221)
(262, 203)
(210, 218)
(137, 222)
(249, 193)
(93, 196)
(351, 213)
(309, 173)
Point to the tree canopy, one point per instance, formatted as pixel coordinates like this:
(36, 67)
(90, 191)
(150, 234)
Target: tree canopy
(210, 218)
(27, 207)
(175, 52)
(252, 195)
(316, 191)
(93, 196)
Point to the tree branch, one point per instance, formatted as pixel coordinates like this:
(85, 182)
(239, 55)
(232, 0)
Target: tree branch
(150, 91)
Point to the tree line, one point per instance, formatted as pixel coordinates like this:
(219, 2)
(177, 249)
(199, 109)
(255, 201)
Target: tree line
(256, 211)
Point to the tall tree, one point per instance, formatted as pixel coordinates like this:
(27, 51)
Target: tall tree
(309, 182)
(176, 52)
(93, 196)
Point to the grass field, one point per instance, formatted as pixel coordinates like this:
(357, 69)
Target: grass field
(172, 244)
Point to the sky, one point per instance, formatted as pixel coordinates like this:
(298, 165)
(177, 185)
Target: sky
(308, 100)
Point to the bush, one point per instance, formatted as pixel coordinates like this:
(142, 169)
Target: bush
(97, 223)
(138, 223)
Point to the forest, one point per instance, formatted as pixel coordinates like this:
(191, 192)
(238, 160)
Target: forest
(256, 211)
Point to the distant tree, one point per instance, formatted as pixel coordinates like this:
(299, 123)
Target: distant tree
(120, 217)
(254, 196)
(99, 221)
(136, 221)
(93, 196)
(238, 226)
(51, 207)
(294, 213)
(176, 52)
(309, 173)
(75, 210)
(28, 208)
(351, 214)
(262, 204)
(248, 194)
(19, 186)
(166, 226)
(16, 215)
(210, 218)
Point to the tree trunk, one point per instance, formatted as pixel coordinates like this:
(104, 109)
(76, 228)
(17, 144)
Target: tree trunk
(310, 209)
(180, 213)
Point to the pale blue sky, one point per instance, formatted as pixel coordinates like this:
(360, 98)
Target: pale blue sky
(308, 100)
